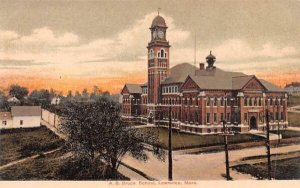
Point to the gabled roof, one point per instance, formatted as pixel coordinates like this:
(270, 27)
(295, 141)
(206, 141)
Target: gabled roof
(179, 73)
(26, 110)
(239, 82)
(211, 82)
(144, 84)
(215, 79)
(133, 88)
(5, 115)
(271, 87)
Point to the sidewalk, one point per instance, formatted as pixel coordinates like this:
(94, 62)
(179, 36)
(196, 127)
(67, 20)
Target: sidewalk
(27, 158)
(204, 166)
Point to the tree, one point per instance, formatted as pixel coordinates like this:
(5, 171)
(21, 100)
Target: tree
(96, 132)
(18, 91)
(96, 93)
(4, 106)
(40, 97)
(70, 94)
(85, 95)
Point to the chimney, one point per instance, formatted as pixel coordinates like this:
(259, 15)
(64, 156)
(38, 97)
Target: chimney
(202, 66)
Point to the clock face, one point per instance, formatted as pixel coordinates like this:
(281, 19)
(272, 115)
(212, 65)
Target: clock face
(161, 34)
(154, 34)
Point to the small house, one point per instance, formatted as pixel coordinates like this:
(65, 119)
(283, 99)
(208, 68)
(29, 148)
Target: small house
(21, 117)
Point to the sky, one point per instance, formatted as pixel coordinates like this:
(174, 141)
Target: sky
(76, 44)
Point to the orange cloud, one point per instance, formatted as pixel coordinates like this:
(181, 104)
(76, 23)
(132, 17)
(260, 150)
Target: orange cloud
(111, 84)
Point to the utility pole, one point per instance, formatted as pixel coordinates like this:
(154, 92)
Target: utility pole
(278, 132)
(170, 146)
(268, 144)
(226, 142)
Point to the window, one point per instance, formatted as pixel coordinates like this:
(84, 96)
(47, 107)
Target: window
(196, 117)
(245, 102)
(215, 101)
(246, 117)
(281, 115)
(222, 101)
(255, 102)
(162, 53)
(21, 122)
(222, 116)
(280, 102)
(215, 118)
(276, 117)
(207, 117)
(207, 101)
(271, 116)
(228, 117)
(271, 101)
(4, 122)
(250, 102)
(208, 130)
(259, 102)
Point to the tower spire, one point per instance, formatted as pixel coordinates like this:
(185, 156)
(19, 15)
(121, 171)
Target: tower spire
(158, 10)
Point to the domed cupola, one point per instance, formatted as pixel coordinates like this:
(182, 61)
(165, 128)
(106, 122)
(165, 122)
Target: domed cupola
(158, 21)
(158, 29)
(210, 59)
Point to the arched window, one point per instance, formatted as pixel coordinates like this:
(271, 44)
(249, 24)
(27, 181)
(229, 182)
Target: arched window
(162, 53)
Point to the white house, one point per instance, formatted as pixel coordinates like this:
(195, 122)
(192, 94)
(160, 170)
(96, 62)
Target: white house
(55, 100)
(21, 117)
(13, 100)
(293, 88)
(5, 119)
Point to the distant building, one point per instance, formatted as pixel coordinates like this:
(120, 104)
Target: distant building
(55, 100)
(293, 88)
(13, 100)
(201, 97)
(21, 117)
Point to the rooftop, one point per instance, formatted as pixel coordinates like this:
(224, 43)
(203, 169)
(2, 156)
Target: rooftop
(26, 110)
(158, 21)
(5, 115)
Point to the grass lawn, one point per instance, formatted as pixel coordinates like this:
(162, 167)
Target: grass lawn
(288, 133)
(19, 143)
(286, 169)
(55, 166)
(294, 119)
(293, 100)
(184, 140)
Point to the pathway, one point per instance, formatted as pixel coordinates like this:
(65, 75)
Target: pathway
(27, 158)
(205, 166)
(294, 109)
(294, 128)
(144, 126)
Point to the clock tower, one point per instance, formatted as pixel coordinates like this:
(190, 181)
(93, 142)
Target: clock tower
(158, 59)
